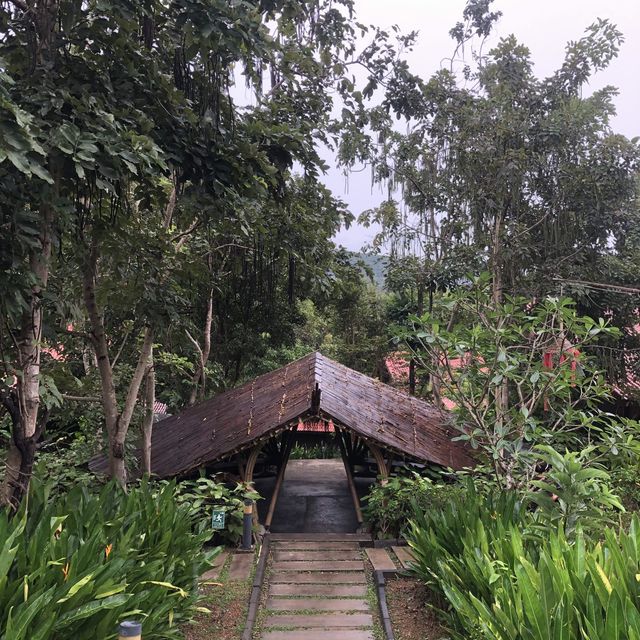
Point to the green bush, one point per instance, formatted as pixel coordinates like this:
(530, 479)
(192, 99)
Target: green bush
(204, 495)
(625, 480)
(388, 507)
(75, 566)
(503, 580)
(574, 491)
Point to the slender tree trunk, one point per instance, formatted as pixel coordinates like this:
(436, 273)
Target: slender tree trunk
(199, 380)
(25, 426)
(147, 424)
(43, 16)
(501, 393)
(117, 423)
(496, 260)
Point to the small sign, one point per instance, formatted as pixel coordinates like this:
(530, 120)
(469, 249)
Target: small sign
(217, 519)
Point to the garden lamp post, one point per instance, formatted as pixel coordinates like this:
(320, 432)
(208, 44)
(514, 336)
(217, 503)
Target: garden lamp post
(130, 630)
(247, 524)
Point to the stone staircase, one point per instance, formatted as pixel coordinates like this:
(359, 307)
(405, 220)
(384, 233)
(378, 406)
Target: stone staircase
(317, 589)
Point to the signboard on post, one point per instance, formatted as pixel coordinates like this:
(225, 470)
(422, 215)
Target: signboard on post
(217, 519)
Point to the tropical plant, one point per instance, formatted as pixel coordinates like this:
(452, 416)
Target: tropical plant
(75, 566)
(516, 373)
(498, 578)
(205, 495)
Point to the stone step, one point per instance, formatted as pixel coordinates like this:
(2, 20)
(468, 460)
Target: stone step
(325, 590)
(319, 634)
(320, 621)
(316, 604)
(325, 554)
(322, 537)
(241, 566)
(380, 559)
(300, 545)
(319, 565)
(319, 577)
(218, 563)
(404, 556)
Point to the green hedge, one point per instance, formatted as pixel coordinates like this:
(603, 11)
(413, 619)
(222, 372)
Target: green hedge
(502, 578)
(75, 566)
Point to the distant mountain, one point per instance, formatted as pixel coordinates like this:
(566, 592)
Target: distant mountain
(375, 263)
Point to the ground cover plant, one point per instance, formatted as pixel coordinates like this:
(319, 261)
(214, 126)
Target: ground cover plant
(74, 566)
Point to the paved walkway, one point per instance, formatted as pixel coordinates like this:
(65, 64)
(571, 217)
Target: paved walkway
(314, 498)
(317, 589)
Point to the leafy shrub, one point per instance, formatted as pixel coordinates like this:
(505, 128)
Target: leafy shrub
(626, 483)
(75, 566)
(204, 495)
(389, 506)
(502, 580)
(573, 491)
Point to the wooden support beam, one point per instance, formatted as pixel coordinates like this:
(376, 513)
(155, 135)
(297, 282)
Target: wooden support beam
(251, 463)
(287, 444)
(352, 484)
(382, 465)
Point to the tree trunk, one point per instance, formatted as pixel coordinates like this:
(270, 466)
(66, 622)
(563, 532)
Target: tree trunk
(11, 480)
(25, 430)
(199, 380)
(117, 423)
(501, 393)
(147, 423)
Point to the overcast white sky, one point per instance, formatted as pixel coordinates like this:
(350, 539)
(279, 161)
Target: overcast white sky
(545, 26)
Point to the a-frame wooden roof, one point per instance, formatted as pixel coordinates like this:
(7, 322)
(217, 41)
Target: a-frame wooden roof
(314, 385)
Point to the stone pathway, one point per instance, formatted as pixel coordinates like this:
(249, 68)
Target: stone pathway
(317, 589)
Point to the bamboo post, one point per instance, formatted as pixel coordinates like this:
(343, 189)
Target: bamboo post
(382, 465)
(276, 489)
(350, 481)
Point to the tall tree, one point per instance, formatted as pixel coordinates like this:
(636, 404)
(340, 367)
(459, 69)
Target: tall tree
(496, 168)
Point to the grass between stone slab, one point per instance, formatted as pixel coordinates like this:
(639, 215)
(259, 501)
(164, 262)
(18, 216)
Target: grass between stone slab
(372, 599)
(228, 604)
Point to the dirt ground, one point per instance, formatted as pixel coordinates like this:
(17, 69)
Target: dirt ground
(228, 605)
(411, 617)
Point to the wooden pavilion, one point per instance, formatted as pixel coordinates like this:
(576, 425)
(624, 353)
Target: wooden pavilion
(267, 414)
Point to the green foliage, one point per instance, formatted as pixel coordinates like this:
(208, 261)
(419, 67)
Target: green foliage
(625, 482)
(389, 506)
(497, 169)
(321, 451)
(204, 495)
(121, 144)
(503, 583)
(64, 465)
(573, 493)
(74, 566)
(519, 373)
